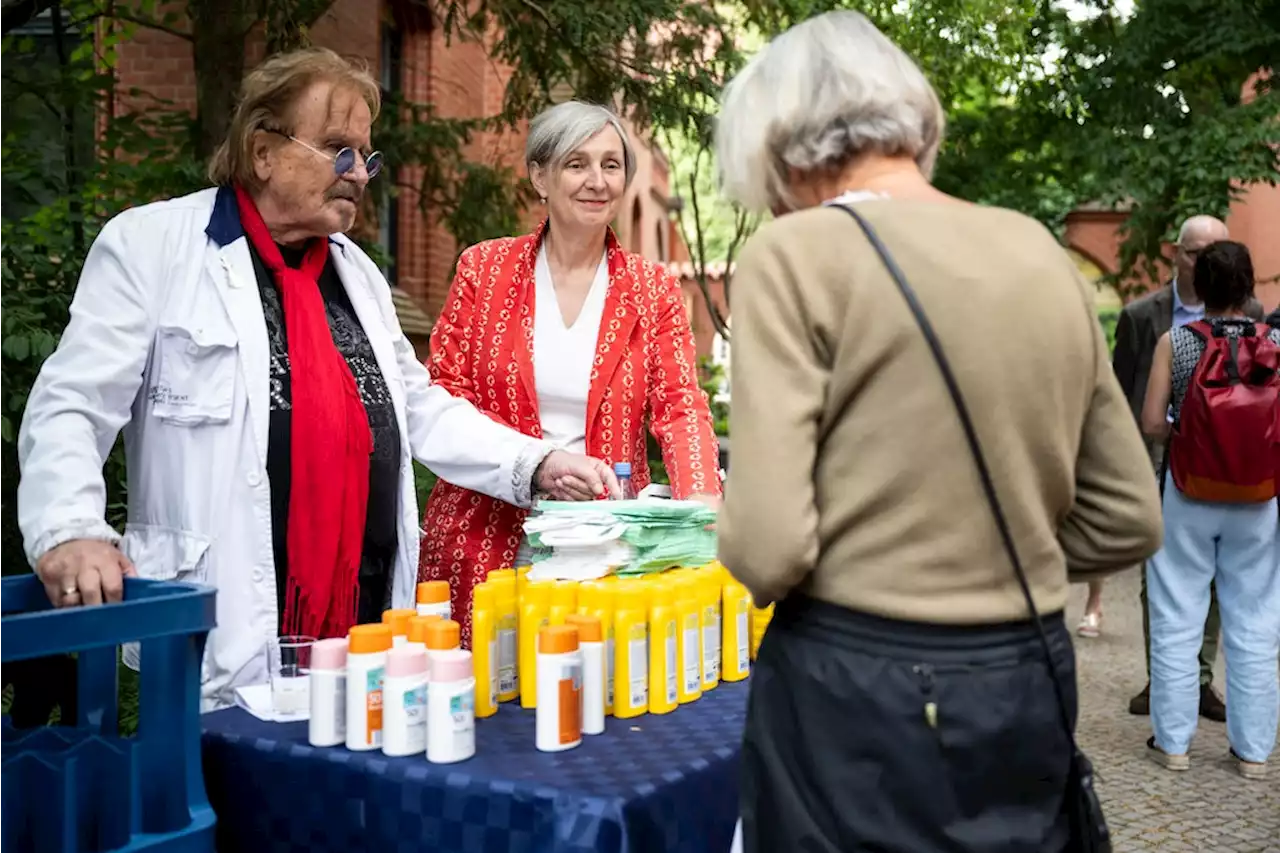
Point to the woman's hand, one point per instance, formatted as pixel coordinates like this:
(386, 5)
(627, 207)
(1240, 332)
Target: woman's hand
(573, 477)
(84, 571)
(711, 501)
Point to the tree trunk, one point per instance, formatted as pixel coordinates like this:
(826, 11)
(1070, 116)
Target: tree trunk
(218, 30)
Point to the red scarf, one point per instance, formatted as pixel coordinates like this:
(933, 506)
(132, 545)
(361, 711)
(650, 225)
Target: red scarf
(330, 447)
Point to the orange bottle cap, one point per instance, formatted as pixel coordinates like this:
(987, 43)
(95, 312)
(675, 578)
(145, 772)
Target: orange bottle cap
(443, 634)
(589, 630)
(398, 620)
(557, 639)
(368, 639)
(418, 626)
(482, 596)
(433, 592)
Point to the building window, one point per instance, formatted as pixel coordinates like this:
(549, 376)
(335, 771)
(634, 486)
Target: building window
(659, 234)
(391, 68)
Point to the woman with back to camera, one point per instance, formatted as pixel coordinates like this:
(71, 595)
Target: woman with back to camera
(1224, 536)
(564, 335)
(903, 700)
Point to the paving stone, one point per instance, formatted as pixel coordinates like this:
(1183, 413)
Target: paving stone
(1208, 808)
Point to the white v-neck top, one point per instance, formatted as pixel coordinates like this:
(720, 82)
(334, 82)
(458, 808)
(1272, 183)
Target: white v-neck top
(562, 356)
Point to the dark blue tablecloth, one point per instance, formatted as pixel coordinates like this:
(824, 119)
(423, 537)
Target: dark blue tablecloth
(665, 784)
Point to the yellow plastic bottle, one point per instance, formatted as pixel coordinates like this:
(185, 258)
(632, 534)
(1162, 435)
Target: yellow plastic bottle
(497, 575)
(601, 605)
(534, 604)
(760, 617)
(664, 665)
(736, 648)
(484, 649)
(630, 652)
(564, 601)
(503, 582)
(688, 594)
(521, 575)
(588, 597)
(709, 595)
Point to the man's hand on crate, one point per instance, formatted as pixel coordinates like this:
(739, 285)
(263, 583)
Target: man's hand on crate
(84, 571)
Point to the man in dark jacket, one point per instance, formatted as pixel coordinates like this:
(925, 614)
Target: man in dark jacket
(1141, 324)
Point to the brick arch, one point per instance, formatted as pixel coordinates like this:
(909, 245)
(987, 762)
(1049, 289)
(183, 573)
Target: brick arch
(1096, 235)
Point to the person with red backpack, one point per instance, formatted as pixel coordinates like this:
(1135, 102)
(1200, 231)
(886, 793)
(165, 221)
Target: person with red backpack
(1214, 391)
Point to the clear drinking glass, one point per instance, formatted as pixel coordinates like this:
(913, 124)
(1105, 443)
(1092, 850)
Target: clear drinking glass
(290, 661)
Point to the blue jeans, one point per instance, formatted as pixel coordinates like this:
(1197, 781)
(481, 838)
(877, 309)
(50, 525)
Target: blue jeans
(1234, 546)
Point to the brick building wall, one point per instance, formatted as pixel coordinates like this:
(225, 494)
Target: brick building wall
(401, 46)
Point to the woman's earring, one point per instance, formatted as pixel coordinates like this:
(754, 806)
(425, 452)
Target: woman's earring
(542, 199)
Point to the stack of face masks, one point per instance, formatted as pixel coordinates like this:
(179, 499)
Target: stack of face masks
(588, 540)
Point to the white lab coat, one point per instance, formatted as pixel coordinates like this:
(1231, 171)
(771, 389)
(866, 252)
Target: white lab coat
(167, 341)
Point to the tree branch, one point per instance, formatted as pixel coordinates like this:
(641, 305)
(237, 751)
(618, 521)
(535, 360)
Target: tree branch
(700, 268)
(151, 24)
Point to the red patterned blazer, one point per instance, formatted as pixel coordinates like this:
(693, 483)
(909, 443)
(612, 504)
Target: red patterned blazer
(645, 374)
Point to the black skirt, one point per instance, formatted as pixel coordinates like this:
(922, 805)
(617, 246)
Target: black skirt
(869, 734)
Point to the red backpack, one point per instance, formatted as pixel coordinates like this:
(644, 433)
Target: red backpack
(1226, 445)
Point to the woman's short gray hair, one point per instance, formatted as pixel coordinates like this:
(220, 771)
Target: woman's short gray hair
(816, 97)
(558, 131)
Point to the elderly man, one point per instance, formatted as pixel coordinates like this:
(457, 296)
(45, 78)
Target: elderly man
(270, 403)
(1141, 324)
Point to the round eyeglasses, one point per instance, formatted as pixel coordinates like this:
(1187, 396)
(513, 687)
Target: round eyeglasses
(346, 158)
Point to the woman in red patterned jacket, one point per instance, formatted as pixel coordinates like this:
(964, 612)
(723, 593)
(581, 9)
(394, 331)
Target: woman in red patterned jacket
(564, 335)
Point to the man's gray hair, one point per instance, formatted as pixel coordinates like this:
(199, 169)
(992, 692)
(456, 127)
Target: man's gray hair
(816, 97)
(558, 131)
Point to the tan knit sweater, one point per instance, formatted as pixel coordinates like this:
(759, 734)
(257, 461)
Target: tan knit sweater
(850, 478)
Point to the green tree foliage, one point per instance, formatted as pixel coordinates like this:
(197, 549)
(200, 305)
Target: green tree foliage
(1137, 105)
(1155, 114)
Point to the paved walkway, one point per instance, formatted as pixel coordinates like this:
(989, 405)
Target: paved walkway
(1208, 808)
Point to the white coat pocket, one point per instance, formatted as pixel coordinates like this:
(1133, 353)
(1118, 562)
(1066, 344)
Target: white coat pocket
(165, 554)
(195, 378)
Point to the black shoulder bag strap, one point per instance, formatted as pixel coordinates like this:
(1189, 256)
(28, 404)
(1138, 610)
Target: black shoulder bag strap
(1088, 826)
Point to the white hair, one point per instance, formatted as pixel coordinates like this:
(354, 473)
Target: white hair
(816, 97)
(557, 132)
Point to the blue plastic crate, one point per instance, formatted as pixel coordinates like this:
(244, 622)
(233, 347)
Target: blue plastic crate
(84, 788)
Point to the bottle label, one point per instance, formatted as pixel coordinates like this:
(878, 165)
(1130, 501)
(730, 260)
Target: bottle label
(508, 681)
(492, 680)
(570, 696)
(744, 638)
(340, 705)
(672, 677)
(608, 669)
(638, 666)
(462, 715)
(373, 706)
(415, 715)
(711, 646)
(692, 662)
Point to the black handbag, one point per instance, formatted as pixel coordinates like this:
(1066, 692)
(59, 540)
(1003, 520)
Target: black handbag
(1089, 833)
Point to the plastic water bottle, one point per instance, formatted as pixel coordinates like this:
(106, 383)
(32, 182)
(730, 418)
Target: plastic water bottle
(622, 470)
